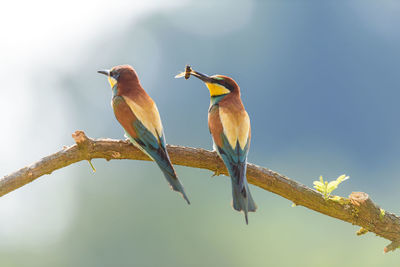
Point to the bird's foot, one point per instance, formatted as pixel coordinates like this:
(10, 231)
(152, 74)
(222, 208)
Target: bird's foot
(216, 173)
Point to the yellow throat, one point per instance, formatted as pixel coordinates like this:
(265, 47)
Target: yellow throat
(112, 81)
(216, 89)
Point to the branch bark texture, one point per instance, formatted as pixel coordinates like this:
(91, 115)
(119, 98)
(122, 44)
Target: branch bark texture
(358, 209)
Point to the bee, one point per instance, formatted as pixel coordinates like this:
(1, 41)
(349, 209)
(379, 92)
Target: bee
(188, 70)
(186, 73)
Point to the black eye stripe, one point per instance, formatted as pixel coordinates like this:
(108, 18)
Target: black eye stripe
(114, 74)
(226, 85)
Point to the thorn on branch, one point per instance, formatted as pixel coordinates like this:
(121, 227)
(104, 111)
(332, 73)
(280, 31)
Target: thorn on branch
(392, 246)
(91, 165)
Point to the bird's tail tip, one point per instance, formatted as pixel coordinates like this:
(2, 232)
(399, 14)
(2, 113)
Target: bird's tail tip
(176, 185)
(185, 197)
(243, 201)
(179, 188)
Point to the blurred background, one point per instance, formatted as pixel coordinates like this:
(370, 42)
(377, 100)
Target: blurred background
(319, 79)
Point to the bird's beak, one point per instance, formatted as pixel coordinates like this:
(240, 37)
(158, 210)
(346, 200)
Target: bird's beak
(201, 76)
(188, 71)
(105, 72)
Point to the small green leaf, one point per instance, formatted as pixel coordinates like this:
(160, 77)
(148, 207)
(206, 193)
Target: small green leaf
(335, 198)
(362, 231)
(319, 186)
(332, 186)
(340, 200)
(382, 214)
(342, 178)
(326, 188)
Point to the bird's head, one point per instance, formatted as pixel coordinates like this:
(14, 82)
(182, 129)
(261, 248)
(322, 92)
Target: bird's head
(218, 85)
(118, 74)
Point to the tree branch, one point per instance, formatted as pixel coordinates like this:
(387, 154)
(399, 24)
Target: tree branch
(358, 209)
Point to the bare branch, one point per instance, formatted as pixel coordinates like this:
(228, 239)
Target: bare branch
(358, 209)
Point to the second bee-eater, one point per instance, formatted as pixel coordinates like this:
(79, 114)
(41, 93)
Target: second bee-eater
(229, 125)
(138, 115)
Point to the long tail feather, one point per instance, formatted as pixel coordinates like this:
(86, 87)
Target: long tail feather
(174, 182)
(161, 157)
(252, 206)
(242, 199)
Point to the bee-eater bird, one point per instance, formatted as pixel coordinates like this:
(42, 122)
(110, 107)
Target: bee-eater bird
(229, 125)
(138, 115)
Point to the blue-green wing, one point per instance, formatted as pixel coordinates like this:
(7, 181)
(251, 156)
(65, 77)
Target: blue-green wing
(235, 160)
(155, 147)
(152, 145)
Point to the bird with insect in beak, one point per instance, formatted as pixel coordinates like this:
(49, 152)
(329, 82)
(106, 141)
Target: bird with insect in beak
(229, 125)
(138, 115)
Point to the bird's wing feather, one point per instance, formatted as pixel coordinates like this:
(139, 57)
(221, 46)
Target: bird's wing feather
(236, 126)
(229, 141)
(235, 159)
(150, 140)
(124, 115)
(154, 146)
(146, 111)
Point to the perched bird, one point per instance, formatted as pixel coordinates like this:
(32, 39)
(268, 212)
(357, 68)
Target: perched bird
(138, 115)
(229, 125)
